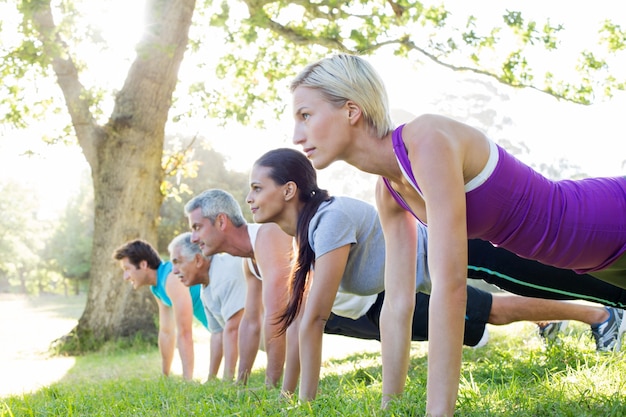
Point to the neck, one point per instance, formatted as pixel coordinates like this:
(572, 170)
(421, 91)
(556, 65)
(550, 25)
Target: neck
(238, 242)
(152, 275)
(289, 218)
(373, 155)
(203, 273)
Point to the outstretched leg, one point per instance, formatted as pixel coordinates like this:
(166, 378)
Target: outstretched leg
(509, 308)
(530, 278)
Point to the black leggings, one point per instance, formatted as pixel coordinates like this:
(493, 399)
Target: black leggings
(368, 326)
(530, 278)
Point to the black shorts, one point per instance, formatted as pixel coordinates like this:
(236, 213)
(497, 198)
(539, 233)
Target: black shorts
(368, 326)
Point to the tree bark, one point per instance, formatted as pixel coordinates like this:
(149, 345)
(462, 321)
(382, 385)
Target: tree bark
(125, 160)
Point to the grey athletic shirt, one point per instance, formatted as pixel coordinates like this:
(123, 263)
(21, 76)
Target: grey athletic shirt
(348, 221)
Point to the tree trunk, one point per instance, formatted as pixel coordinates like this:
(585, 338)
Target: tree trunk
(125, 159)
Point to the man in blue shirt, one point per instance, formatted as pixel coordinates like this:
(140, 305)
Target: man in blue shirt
(177, 304)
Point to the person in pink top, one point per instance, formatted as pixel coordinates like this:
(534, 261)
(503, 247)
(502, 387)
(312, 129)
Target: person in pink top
(461, 185)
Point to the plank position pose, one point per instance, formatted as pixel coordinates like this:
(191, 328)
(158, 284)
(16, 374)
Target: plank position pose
(177, 304)
(461, 184)
(223, 296)
(217, 225)
(339, 240)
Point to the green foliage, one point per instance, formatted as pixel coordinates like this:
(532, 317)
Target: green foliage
(513, 53)
(197, 168)
(267, 42)
(613, 36)
(76, 342)
(68, 251)
(20, 234)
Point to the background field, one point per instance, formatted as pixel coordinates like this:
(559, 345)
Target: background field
(29, 324)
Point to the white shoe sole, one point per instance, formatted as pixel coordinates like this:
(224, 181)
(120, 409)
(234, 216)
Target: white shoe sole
(620, 333)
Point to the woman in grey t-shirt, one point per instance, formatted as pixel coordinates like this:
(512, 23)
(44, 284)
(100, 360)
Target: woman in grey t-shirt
(338, 244)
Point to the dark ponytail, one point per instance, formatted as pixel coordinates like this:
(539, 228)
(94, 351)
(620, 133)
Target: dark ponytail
(290, 165)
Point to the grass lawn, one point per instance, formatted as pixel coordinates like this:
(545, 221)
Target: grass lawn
(514, 375)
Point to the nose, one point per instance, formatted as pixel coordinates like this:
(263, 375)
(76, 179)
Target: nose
(249, 198)
(194, 237)
(175, 270)
(298, 136)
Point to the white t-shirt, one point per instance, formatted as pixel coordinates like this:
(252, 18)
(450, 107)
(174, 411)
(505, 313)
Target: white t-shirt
(226, 293)
(253, 230)
(352, 306)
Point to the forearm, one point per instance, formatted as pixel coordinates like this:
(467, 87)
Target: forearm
(185, 349)
(215, 355)
(249, 338)
(166, 348)
(230, 353)
(292, 362)
(275, 347)
(310, 337)
(395, 330)
(447, 312)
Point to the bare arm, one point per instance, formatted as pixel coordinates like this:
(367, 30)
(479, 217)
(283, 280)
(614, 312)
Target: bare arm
(167, 337)
(183, 315)
(215, 356)
(273, 254)
(292, 362)
(250, 326)
(400, 231)
(329, 269)
(438, 161)
(230, 336)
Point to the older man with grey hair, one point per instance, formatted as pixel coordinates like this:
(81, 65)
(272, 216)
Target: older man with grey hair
(218, 225)
(223, 296)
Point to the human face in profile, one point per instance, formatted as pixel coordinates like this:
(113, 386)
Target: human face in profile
(205, 233)
(186, 268)
(137, 276)
(266, 198)
(321, 128)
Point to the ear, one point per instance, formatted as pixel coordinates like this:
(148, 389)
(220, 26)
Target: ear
(143, 264)
(354, 112)
(220, 221)
(290, 190)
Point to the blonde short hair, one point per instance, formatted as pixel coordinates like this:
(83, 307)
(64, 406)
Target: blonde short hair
(344, 77)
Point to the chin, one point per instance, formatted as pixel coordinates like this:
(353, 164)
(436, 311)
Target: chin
(320, 163)
(259, 219)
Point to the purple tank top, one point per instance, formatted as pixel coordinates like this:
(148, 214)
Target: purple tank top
(572, 224)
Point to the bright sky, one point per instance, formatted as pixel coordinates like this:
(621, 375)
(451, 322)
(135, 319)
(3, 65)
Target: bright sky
(589, 136)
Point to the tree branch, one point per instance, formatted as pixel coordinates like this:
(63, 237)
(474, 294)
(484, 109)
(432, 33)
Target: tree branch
(335, 14)
(411, 46)
(255, 10)
(75, 94)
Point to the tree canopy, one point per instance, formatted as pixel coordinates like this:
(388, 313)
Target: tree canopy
(271, 40)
